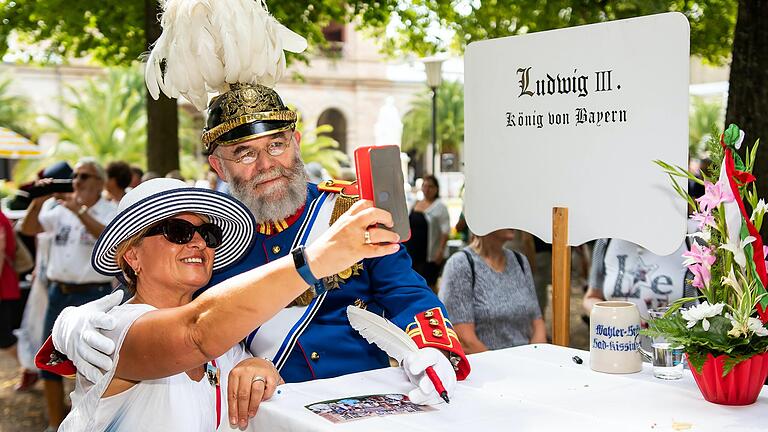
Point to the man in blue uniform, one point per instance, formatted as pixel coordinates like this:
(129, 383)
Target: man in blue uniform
(311, 339)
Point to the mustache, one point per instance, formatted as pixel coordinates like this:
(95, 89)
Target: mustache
(271, 174)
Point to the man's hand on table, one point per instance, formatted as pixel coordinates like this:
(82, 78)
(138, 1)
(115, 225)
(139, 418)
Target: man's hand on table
(415, 365)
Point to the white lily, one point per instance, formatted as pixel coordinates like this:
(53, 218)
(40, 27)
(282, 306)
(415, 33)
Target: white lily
(732, 282)
(738, 328)
(760, 209)
(705, 234)
(757, 326)
(701, 312)
(737, 249)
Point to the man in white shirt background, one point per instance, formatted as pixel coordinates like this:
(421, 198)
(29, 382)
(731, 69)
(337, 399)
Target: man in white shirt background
(75, 219)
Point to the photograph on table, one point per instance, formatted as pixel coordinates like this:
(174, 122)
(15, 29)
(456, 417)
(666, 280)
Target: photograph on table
(360, 407)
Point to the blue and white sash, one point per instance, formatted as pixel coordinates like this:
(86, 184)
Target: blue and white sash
(276, 338)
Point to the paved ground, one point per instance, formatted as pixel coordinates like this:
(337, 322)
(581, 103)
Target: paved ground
(19, 412)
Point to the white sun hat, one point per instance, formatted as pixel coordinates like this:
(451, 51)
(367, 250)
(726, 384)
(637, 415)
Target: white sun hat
(160, 198)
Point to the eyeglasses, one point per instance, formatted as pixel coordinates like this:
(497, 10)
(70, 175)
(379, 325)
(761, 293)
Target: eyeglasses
(180, 231)
(274, 149)
(82, 176)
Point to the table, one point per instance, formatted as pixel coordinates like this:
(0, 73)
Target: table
(528, 388)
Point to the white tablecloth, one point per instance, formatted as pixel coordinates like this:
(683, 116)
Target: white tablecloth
(528, 388)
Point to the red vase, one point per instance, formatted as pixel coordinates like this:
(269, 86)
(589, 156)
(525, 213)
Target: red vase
(741, 386)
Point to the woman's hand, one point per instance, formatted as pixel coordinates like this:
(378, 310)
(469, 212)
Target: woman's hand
(250, 382)
(346, 243)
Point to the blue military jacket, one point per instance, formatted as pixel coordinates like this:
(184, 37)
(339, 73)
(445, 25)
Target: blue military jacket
(329, 346)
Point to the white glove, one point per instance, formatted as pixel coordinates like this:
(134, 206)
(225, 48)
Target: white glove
(415, 365)
(76, 335)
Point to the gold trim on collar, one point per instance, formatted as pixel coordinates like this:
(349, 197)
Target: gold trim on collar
(278, 227)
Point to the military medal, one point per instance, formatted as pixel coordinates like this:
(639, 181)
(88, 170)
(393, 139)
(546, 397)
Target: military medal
(333, 282)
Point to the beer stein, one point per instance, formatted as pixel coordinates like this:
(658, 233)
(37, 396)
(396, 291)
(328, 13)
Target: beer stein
(613, 337)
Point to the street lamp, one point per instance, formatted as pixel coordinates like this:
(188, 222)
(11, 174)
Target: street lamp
(433, 65)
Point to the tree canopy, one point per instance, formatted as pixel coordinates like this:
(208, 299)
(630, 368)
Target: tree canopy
(417, 123)
(712, 21)
(112, 32)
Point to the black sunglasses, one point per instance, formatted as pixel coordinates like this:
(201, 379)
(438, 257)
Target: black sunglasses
(180, 231)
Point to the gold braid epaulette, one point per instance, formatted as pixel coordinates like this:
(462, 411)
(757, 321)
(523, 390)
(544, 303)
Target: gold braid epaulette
(347, 196)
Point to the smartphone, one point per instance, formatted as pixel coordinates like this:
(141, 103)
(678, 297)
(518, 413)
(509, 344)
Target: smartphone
(380, 179)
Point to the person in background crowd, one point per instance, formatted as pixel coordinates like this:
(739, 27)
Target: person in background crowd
(175, 174)
(119, 177)
(9, 288)
(622, 270)
(489, 292)
(136, 175)
(149, 175)
(25, 346)
(430, 228)
(33, 303)
(76, 219)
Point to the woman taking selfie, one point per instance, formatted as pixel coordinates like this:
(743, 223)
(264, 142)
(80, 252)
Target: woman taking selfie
(173, 354)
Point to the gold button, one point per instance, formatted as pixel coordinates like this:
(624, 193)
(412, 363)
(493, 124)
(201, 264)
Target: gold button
(433, 322)
(275, 250)
(437, 333)
(314, 356)
(429, 314)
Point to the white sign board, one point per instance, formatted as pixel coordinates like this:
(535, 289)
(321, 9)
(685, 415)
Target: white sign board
(574, 118)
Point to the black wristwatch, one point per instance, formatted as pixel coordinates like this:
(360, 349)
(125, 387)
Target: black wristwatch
(302, 267)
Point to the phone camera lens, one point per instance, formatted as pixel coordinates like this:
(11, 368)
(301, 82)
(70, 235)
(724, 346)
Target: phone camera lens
(383, 196)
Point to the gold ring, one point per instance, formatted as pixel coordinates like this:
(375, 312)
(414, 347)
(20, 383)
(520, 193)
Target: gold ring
(259, 378)
(367, 236)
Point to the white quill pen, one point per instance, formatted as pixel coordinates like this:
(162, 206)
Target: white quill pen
(390, 338)
(381, 332)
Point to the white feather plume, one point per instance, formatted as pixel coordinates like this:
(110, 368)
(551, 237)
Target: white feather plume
(380, 331)
(208, 44)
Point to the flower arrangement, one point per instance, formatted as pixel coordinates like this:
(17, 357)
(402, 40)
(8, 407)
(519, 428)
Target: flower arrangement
(726, 260)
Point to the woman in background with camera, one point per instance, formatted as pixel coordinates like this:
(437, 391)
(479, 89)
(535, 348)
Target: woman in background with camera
(75, 219)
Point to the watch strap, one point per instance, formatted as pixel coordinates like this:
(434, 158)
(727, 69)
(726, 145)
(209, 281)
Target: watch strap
(302, 266)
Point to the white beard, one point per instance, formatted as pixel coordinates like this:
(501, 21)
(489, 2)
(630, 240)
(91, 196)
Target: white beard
(264, 206)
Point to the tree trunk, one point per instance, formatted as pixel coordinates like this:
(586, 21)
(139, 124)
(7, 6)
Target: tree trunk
(162, 114)
(748, 92)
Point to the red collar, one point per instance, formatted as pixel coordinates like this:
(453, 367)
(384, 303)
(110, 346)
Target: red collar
(274, 227)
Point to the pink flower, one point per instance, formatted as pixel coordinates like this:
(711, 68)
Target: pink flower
(701, 255)
(701, 276)
(714, 195)
(704, 218)
(765, 255)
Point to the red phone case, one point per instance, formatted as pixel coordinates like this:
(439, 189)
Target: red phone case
(363, 170)
(367, 186)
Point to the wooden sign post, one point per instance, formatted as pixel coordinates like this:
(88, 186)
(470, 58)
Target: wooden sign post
(561, 278)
